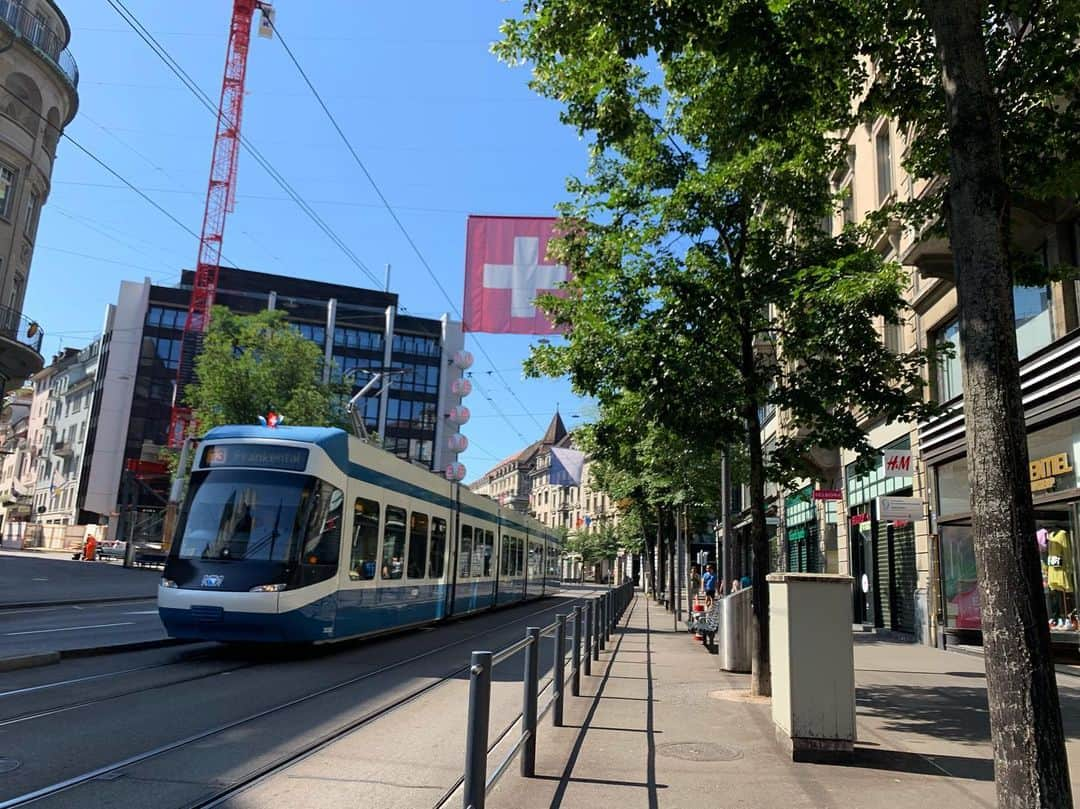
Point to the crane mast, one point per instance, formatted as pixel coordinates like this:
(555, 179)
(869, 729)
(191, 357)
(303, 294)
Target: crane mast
(220, 198)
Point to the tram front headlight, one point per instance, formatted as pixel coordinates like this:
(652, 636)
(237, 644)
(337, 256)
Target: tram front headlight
(169, 583)
(267, 588)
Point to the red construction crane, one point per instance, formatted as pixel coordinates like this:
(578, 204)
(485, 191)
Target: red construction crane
(220, 198)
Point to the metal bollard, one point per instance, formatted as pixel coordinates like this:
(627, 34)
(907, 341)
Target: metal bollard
(575, 677)
(588, 638)
(476, 740)
(530, 684)
(601, 622)
(596, 630)
(559, 669)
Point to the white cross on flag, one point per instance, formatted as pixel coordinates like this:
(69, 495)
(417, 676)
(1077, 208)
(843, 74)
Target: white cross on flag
(506, 268)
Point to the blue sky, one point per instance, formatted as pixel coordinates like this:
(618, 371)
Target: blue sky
(444, 128)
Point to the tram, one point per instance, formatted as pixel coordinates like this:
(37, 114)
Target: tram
(305, 534)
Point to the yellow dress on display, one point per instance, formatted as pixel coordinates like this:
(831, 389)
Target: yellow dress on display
(1058, 562)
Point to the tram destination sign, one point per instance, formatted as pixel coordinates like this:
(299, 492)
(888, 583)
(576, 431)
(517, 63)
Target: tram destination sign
(261, 456)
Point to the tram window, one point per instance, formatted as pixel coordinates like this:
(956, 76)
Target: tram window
(465, 552)
(324, 527)
(534, 560)
(519, 556)
(438, 548)
(486, 552)
(418, 541)
(504, 556)
(365, 544)
(393, 555)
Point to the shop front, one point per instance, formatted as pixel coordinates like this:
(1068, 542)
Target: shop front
(881, 547)
(803, 541)
(1053, 451)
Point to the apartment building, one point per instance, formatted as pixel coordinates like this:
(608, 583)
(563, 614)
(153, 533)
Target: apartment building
(39, 97)
(17, 458)
(63, 401)
(912, 555)
(510, 481)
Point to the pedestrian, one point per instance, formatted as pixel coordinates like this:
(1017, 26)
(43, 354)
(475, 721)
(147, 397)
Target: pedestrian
(734, 586)
(695, 579)
(745, 582)
(709, 583)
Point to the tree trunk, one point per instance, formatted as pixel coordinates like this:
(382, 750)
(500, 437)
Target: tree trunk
(1030, 765)
(660, 560)
(760, 672)
(649, 573)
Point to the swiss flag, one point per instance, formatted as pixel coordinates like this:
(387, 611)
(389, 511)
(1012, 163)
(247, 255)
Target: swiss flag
(506, 268)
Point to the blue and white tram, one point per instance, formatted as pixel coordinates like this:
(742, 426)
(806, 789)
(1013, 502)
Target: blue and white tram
(304, 534)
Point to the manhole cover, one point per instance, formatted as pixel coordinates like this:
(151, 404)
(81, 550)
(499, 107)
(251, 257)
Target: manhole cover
(8, 764)
(699, 751)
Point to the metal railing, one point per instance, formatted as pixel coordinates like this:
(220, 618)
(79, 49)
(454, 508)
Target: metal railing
(37, 34)
(591, 627)
(18, 328)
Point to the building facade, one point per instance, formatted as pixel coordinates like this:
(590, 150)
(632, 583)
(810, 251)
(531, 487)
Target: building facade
(510, 482)
(63, 399)
(16, 460)
(39, 80)
(357, 330)
(911, 554)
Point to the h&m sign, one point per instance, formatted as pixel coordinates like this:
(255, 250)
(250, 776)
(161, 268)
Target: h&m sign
(896, 463)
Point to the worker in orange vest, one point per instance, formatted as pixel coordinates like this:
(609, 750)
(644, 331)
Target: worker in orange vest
(89, 548)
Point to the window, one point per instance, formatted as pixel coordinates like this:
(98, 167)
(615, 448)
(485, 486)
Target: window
(317, 334)
(504, 556)
(893, 337)
(30, 225)
(438, 548)
(393, 556)
(16, 292)
(1033, 321)
(7, 189)
(465, 552)
(848, 208)
(418, 541)
(947, 376)
(323, 531)
(883, 151)
(484, 551)
(365, 544)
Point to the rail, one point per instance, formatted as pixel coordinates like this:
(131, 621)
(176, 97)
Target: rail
(591, 627)
(18, 328)
(36, 33)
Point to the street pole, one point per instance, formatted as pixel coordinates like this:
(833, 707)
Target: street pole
(725, 515)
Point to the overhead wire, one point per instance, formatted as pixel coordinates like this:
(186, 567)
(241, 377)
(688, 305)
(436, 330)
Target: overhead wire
(393, 215)
(185, 78)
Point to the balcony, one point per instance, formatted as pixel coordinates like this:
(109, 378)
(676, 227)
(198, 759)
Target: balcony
(18, 18)
(20, 347)
(63, 448)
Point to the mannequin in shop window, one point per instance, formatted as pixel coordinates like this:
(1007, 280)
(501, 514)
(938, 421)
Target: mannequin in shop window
(1057, 569)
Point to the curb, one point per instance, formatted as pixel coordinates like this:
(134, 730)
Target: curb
(36, 659)
(29, 661)
(24, 605)
(117, 648)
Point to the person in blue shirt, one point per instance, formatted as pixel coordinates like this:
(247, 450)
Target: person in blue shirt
(745, 582)
(708, 583)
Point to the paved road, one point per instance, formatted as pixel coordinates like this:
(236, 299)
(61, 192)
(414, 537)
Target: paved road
(28, 579)
(56, 724)
(29, 630)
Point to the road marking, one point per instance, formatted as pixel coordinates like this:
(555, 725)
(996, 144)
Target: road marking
(142, 612)
(40, 579)
(69, 628)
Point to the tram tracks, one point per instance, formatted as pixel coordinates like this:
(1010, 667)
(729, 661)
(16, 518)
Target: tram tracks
(281, 762)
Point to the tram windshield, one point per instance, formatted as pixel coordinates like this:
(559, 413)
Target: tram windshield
(232, 515)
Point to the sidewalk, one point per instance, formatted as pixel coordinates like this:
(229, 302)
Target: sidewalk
(649, 731)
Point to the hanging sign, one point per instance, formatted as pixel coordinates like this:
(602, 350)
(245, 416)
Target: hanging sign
(828, 494)
(895, 509)
(896, 463)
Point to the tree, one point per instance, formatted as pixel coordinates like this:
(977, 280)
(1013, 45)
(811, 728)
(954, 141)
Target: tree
(989, 93)
(252, 364)
(704, 286)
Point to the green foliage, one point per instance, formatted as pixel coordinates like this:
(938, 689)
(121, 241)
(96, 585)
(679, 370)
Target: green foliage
(695, 238)
(252, 364)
